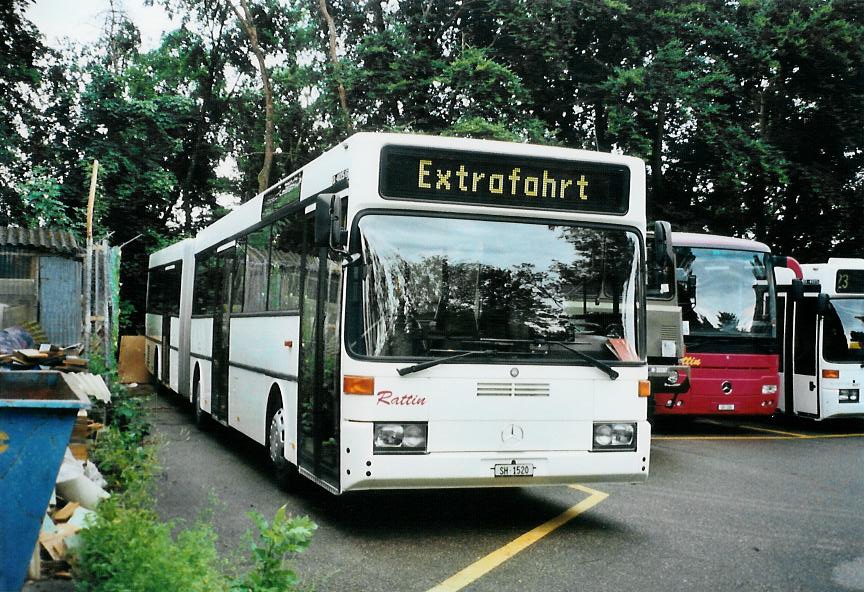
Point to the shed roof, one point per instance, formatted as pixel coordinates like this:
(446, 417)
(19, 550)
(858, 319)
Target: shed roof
(46, 239)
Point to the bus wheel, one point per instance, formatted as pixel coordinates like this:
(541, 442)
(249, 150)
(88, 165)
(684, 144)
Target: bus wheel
(283, 470)
(202, 418)
(158, 387)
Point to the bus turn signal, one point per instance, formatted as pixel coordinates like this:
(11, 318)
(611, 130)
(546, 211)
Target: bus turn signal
(644, 388)
(358, 385)
(830, 374)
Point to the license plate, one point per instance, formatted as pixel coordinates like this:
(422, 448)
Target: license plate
(521, 470)
(726, 407)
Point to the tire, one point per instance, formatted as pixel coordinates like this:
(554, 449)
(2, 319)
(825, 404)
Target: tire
(158, 387)
(202, 418)
(284, 471)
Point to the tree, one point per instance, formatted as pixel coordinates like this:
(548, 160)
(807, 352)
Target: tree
(20, 51)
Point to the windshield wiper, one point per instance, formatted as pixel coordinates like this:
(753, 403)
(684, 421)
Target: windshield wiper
(430, 363)
(609, 370)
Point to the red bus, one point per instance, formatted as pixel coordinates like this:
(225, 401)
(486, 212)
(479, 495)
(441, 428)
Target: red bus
(726, 292)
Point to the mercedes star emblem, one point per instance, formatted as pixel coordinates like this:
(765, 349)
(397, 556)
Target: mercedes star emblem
(512, 433)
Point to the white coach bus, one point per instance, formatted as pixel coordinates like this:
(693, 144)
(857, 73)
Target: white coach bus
(821, 327)
(411, 311)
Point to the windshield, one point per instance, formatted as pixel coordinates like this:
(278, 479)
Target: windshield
(725, 293)
(431, 287)
(843, 331)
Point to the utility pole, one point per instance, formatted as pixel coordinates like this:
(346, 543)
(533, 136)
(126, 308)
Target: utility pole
(88, 260)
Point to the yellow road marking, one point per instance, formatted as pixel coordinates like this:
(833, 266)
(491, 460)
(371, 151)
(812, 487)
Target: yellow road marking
(724, 438)
(795, 437)
(770, 431)
(483, 566)
(816, 437)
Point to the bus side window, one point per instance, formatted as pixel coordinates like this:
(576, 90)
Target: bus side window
(285, 264)
(255, 273)
(239, 277)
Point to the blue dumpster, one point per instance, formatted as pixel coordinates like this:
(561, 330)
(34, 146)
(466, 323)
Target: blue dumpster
(37, 413)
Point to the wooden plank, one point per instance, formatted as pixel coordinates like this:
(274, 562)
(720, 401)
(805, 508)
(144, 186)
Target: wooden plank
(63, 514)
(79, 451)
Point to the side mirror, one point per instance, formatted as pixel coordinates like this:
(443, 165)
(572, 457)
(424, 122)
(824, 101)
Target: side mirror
(663, 250)
(823, 303)
(328, 222)
(788, 263)
(691, 284)
(796, 290)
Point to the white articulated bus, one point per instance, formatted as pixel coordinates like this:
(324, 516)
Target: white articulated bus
(167, 320)
(412, 311)
(821, 327)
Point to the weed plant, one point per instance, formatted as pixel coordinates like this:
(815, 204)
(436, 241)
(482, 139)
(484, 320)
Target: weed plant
(127, 548)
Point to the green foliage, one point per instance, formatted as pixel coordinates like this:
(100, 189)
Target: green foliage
(748, 114)
(122, 453)
(128, 548)
(284, 536)
(40, 194)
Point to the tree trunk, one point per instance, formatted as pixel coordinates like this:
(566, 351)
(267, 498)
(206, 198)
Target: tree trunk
(214, 66)
(334, 59)
(246, 20)
(601, 127)
(657, 185)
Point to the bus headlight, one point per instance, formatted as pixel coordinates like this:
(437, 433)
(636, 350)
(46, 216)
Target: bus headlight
(849, 396)
(769, 389)
(614, 436)
(400, 438)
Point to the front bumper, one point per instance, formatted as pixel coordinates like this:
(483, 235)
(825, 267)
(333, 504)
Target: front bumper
(361, 469)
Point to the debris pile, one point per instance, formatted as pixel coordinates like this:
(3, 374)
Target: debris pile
(80, 488)
(46, 357)
(79, 485)
(19, 351)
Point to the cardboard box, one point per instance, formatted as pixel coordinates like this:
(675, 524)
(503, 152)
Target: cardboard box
(132, 367)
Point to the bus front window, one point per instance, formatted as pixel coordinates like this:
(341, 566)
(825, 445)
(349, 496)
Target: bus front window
(427, 287)
(843, 331)
(725, 293)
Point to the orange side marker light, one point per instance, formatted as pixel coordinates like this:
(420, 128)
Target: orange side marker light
(644, 388)
(358, 385)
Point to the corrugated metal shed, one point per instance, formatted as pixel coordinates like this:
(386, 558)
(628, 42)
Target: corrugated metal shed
(44, 239)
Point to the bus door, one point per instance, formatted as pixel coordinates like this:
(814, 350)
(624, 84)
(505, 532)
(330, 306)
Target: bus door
(221, 276)
(785, 324)
(319, 388)
(165, 352)
(805, 384)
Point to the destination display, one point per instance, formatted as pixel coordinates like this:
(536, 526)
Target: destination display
(503, 180)
(286, 194)
(850, 281)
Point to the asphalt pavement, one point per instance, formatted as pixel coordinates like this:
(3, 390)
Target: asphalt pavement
(729, 505)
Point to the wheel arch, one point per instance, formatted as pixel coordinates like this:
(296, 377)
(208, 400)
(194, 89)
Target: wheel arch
(275, 401)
